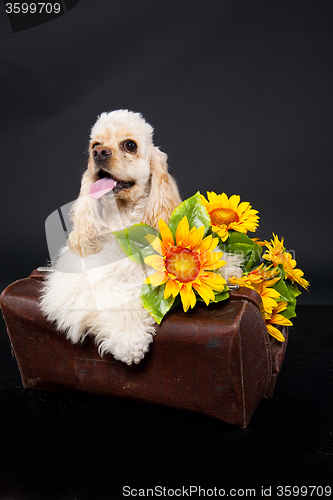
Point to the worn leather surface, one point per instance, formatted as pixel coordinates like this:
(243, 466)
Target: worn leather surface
(218, 360)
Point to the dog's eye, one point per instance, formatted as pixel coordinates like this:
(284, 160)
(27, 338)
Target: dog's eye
(130, 146)
(95, 144)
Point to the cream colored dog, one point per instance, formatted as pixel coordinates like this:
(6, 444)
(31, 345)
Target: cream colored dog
(94, 289)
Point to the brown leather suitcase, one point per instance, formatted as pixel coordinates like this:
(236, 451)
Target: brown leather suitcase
(218, 360)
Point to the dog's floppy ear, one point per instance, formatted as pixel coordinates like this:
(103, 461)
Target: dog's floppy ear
(88, 227)
(164, 196)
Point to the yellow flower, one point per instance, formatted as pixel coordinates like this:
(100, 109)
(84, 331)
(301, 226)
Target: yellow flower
(244, 281)
(261, 280)
(187, 264)
(229, 214)
(263, 273)
(277, 255)
(293, 274)
(274, 318)
(259, 242)
(268, 295)
(275, 250)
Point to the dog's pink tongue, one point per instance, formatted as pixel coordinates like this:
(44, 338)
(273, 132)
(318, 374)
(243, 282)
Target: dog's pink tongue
(99, 188)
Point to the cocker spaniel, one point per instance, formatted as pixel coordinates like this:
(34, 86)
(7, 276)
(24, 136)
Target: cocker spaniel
(94, 289)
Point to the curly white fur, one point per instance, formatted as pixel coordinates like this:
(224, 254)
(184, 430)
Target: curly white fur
(94, 288)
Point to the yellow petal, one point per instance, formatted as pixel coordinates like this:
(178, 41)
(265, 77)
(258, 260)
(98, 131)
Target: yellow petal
(205, 291)
(282, 305)
(195, 237)
(275, 333)
(278, 319)
(186, 298)
(237, 226)
(268, 304)
(209, 243)
(171, 288)
(156, 262)
(211, 260)
(259, 242)
(296, 275)
(242, 207)
(204, 201)
(234, 201)
(243, 282)
(156, 279)
(271, 293)
(166, 234)
(212, 197)
(156, 243)
(223, 199)
(214, 266)
(205, 244)
(214, 280)
(222, 231)
(182, 232)
(272, 282)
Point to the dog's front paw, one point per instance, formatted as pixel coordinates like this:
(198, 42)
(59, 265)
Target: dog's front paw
(134, 351)
(83, 246)
(130, 351)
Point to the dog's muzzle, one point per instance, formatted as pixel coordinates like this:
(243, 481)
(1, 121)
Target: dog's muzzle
(100, 153)
(103, 173)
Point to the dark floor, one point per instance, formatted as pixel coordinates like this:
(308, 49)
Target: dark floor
(56, 446)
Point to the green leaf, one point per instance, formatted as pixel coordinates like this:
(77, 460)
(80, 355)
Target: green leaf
(292, 289)
(176, 302)
(221, 296)
(133, 243)
(294, 292)
(288, 293)
(153, 300)
(290, 312)
(282, 271)
(281, 287)
(196, 213)
(240, 244)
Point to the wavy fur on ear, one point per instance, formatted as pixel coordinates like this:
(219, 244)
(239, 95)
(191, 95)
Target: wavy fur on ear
(164, 196)
(86, 237)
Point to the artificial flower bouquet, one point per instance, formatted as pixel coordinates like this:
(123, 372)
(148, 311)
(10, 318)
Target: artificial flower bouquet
(185, 259)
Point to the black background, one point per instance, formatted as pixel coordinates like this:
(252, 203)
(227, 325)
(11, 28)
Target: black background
(239, 93)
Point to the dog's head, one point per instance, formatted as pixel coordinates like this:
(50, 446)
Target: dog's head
(120, 149)
(122, 159)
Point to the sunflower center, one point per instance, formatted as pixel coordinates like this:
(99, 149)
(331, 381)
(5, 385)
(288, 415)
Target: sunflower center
(183, 264)
(220, 216)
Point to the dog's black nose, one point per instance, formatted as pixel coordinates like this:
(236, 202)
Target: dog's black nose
(100, 153)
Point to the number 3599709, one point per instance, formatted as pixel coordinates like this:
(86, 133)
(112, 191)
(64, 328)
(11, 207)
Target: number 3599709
(33, 8)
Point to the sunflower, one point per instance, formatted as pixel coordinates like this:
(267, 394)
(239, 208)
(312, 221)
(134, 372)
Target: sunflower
(259, 242)
(275, 250)
(274, 318)
(293, 274)
(269, 296)
(228, 214)
(263, 273)
(187, 264)
(277, 255)
(261, 280)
